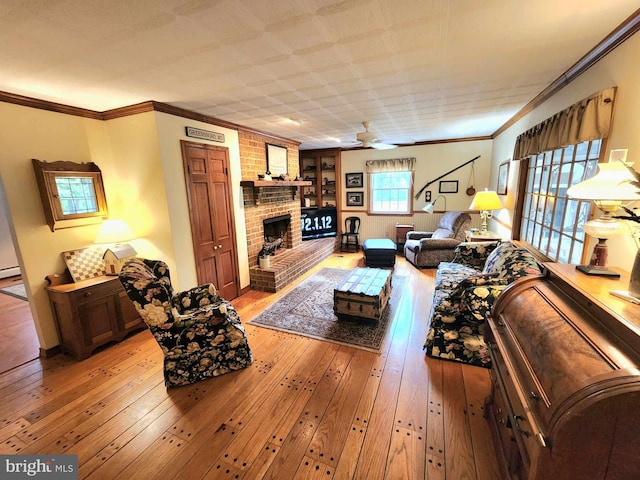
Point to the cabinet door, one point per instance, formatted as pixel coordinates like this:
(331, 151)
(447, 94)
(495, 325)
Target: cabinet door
(130, 317)
(98, 318)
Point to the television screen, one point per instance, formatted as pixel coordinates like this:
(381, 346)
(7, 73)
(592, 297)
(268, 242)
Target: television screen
(319, 222)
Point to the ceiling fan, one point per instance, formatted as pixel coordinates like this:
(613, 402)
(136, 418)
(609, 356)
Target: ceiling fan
(370, 139)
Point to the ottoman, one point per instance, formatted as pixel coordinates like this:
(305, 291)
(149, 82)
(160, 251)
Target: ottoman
(379, 252)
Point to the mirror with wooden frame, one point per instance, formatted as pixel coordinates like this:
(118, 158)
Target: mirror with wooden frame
(72, 193)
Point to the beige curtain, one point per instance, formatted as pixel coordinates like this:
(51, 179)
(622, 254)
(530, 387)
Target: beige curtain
(391, 165)
(589, 119)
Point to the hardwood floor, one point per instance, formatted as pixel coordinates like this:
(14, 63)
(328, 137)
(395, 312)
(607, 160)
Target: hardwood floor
(19, 341)
(305, 408)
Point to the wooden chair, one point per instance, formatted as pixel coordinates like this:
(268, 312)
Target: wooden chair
(350, 234)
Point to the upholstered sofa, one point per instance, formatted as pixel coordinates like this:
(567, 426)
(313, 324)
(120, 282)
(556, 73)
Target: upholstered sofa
(199, 332)
(465, 290)
(428, 249)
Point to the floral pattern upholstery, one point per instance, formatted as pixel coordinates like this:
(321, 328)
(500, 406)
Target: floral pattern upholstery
(200, 333)
(465, 292)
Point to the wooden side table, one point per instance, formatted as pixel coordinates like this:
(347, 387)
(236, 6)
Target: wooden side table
(401, 234)
(481, 237)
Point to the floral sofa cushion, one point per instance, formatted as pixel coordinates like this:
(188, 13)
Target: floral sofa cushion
(465, 293)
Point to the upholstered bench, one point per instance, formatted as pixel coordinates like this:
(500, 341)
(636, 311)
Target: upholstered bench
(379, 252)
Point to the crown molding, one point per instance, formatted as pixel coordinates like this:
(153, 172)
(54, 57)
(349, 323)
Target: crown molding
(49, 106)
(624, 31)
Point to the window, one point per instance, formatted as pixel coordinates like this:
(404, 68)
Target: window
(76, 195)
(551, 222)
(391, 192)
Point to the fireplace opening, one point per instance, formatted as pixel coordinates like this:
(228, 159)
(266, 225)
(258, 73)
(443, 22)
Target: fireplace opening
(276, 230)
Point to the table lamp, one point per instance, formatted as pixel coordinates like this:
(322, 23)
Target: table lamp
(114, 232)
(429, 206)
(485, 201)
(608, 190)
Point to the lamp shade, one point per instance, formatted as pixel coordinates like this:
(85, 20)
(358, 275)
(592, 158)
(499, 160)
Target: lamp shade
(486, 200)
(114, 231)
(429, 206)
(611, 183)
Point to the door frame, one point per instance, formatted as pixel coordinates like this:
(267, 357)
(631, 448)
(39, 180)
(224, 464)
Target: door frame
(183, 147)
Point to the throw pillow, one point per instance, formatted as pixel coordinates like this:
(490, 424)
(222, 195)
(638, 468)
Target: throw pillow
(495, 261)
(473, 254)
(442, 233)
(481, 280)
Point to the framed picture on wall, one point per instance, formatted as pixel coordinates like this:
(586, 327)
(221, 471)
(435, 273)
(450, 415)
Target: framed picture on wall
(448, 186)
(355, 199)
(276, 160)
(503, 178)
(353, 180)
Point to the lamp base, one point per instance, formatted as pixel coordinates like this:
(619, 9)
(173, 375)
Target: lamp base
(596, 270)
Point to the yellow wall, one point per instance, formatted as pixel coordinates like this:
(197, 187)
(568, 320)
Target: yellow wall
(127, 153)
(620, 68)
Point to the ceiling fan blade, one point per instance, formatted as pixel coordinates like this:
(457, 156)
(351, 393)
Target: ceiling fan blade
(383, 146)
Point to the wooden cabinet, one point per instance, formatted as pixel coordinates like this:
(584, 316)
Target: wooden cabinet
(91, 313)
(565, 378)
(401, 235)
(321, 168)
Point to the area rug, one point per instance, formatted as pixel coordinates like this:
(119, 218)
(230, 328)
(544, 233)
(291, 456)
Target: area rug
(308, 310)
(16, 290)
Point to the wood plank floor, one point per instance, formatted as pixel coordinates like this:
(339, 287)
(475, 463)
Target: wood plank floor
(305, 409)
(19, 341)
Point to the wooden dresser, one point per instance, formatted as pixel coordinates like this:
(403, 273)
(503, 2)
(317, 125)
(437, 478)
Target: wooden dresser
(565, 399)
(91, 313)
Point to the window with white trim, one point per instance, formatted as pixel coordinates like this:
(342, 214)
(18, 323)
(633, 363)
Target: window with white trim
(391, 192)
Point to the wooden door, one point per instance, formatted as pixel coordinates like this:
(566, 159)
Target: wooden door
(211, 214)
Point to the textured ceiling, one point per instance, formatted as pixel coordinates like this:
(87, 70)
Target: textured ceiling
(418, 70)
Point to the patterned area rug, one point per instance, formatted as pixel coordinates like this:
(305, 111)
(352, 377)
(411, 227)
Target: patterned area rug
(16, 290)
(308, 310)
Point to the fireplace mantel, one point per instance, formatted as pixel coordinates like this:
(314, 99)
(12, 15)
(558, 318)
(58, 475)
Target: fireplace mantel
(258, 185)
(274, 183)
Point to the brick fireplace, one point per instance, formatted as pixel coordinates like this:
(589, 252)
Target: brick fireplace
(273, 200)
(263, 203)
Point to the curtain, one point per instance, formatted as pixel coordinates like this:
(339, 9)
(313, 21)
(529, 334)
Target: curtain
(391, 165)
(588, 119)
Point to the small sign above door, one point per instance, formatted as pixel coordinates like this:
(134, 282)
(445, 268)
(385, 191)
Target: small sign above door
(204, 134)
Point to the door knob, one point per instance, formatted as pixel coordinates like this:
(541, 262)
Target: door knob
(215, 247)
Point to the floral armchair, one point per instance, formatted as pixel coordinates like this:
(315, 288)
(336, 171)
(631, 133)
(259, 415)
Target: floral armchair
(200, 334)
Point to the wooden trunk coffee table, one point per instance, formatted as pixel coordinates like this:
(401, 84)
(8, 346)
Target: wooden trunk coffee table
(364, 294)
